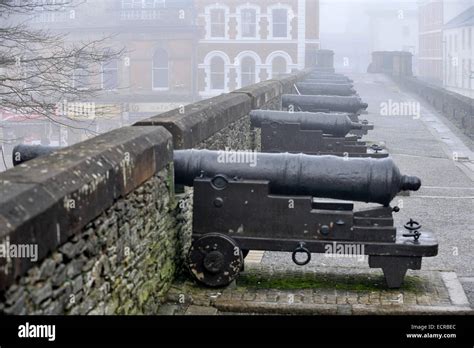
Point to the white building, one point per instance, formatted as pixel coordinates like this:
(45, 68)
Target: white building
(459, 53)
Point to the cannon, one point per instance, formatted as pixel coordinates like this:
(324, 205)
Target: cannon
(352, 105)
(322, 70)
(337, 77)
(295, 203)
(331, 81)
(321, 103)
(24, 153)
(334, 124)
(311, 133)
(306, 88)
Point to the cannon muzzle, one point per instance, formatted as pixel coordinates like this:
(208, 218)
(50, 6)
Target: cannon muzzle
(315, 103)
(338, 125)
(355, 179)
(24, 153)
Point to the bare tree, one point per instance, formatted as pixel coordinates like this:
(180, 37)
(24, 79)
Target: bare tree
(39, 69)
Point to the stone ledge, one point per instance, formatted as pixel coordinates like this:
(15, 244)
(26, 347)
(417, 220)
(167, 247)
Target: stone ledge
(261, 93)
(454, 106)
(201, 120)
(45, 201)
(288, 82)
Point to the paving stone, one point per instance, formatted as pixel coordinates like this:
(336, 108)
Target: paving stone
(168, 309)
(251, 300)
(200, 310)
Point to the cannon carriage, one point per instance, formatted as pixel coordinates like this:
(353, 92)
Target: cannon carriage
(236, 205)
(298, 200)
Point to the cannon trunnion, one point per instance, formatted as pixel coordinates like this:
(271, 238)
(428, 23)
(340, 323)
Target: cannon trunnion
(235, 206)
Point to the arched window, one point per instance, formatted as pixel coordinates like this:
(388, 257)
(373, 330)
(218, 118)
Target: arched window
(249, 23)
(217, 73)
(248, 75)
(160, 69)
(110, 74)
(278, 67)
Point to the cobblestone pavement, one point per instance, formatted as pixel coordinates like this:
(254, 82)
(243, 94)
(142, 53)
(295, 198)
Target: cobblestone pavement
(267, 289)
(423, 147)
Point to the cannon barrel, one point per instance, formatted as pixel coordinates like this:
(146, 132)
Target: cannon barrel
(314, 103)
(322, 70)
(24, 153)
(323, 80)
(338, 125)
(329, 77)
(309, 88)
(355, 179)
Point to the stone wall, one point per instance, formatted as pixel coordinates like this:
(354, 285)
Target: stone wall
(458, 108)
(109, 229)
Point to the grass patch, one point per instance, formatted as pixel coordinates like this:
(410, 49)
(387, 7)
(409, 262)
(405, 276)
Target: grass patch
(353, 282)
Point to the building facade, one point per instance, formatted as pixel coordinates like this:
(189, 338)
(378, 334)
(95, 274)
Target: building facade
(430, 59)
(439, 57)
(156, 71)
(459, 53)
(243, 43)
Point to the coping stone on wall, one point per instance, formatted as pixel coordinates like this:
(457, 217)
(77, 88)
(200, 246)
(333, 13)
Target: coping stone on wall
(261, 93)
(48, 199)
(199, 121)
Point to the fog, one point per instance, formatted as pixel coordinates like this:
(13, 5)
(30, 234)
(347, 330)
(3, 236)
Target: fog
(173, 53)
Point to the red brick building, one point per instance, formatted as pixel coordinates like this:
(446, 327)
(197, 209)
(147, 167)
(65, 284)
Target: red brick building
(246, 42)
(157, 69)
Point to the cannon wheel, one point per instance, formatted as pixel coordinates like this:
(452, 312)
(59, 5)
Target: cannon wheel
(215, 260)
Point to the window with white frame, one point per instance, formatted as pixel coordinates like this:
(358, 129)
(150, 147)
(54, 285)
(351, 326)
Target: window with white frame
(218, 23)
(49, 11)
(81, 77)
(141, 9)
(217, 74)
(280, 22)
(110, 74)
(160, 69)
(248, 71)
(279, 67)
(248, 23)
